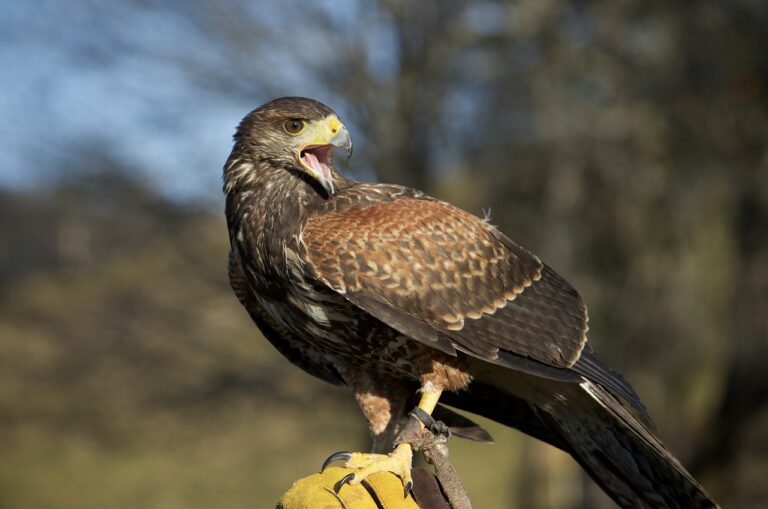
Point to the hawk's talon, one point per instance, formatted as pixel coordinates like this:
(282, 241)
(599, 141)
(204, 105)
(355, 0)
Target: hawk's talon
(341, 455)
(439, 428)
(344, 480)
(397, 462)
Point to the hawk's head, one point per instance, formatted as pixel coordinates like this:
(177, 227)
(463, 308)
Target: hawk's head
(294, 133)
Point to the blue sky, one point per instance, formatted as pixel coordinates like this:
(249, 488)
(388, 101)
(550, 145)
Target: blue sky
(58, 100)
(161, 85)
(84, 73)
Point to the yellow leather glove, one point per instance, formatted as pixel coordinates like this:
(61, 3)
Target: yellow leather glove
(380, 491)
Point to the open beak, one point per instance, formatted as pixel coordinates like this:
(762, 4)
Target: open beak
(316, 154)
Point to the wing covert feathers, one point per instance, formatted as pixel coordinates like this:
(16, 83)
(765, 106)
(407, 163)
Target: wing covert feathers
(426, 266)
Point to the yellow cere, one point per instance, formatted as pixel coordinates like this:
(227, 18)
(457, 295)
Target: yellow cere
(334, 124)
(319, 132)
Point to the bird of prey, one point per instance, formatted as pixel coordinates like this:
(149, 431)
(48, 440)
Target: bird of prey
(398, 295)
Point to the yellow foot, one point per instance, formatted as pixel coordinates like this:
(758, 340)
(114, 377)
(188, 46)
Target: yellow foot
(398, 462)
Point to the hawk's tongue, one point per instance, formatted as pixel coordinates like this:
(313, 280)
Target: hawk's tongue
(322, 169)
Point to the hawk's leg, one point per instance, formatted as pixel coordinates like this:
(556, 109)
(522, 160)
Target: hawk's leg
(398, 461)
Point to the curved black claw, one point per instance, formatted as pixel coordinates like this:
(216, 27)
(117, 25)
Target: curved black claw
(344, 480)
(408, 488)
(341, 455)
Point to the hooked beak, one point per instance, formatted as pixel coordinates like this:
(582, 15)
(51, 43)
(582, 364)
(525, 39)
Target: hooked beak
(315, 154)
(342, 140)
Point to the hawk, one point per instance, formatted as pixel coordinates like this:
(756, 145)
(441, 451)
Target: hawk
(398, 295)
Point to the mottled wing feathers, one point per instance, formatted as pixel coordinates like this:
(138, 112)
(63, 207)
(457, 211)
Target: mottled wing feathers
(547, 321)
(425, 265)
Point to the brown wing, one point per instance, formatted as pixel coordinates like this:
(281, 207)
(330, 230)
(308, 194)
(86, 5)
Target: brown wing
(442, 275)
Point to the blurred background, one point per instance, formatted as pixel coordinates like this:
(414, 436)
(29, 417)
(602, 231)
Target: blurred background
(624, 142)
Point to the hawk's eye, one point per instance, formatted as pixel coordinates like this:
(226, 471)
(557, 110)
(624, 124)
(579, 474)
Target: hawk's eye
(294, 126)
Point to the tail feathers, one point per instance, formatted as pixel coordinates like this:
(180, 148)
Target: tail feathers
(594, 368)
(612, 443)
(622, 456)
